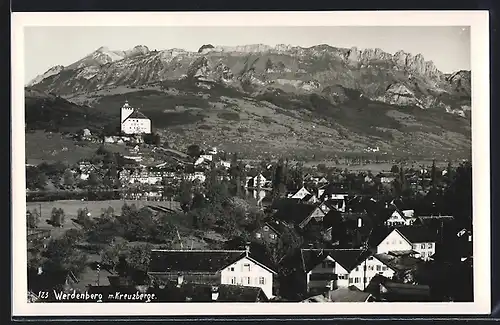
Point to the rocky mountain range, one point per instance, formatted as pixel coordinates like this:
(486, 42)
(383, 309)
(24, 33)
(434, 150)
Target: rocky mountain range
(320, 83)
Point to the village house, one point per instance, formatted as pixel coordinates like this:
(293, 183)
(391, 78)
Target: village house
(386, 178)
(224, 164)
(401, 218)
(293, 211)
(310, 199)
(215, 267)
(133, 121)
(329, 269)
(86, 168)
(199, 176)
(300, 194)
(410, 239)
(271, 231)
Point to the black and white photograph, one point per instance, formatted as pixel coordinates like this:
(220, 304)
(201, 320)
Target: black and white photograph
(267, 158)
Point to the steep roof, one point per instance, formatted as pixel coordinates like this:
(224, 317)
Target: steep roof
(398, 263)
(347, 258)
(418, 234)
(192, 261)
(136, 114)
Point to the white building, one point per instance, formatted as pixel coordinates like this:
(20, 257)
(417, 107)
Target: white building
(401, 218)
(133, 121)
(330, 269)
(259, 181)
(406, 239)
(300, 194)
(231, 267)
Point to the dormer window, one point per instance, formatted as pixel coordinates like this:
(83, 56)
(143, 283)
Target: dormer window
(246, 267)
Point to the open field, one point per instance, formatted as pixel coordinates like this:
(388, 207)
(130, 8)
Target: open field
(71, 207)
(51, 147)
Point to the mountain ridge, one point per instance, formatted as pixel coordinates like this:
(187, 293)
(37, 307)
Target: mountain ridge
(360, 97)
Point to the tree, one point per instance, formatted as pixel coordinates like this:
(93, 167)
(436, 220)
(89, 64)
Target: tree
(269, 64)
(62, 255)
(110, 256)
(279, 180)
(83, 216)
(139, 256)
(433, 176)
(194, 151)
(32, 219)
(185, 195)
(68, 178)
(165, 230)
(395, 169)
(57, 217)
(94, 179)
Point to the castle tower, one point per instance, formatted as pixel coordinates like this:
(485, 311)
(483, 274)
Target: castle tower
(126, 111)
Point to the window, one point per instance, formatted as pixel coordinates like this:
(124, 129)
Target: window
(422, 246)
(248, 280)
(424, 254)
(342, 277)
(350, 280)
(379, 268)
(356, 280)
(371, 267)
(233, 280)
(384, 268)
(231, 269)
(262, 280)
(400, 242)
(429, 245)
(246, 267)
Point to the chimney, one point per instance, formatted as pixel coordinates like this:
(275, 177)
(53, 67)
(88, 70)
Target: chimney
(215, 293)
(180, 280)
(247, 248)
(360, 222)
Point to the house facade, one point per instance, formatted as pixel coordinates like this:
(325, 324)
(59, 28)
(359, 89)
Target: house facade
(230, 267)
(300, 194)
(249, 273)
(416, 239)
(401, 218)
(342, 268)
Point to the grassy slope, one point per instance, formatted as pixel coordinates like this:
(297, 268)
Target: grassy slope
(185, 114)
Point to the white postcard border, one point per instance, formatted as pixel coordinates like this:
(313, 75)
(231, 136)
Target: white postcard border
(479, 22)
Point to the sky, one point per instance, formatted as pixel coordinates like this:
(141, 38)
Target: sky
(45, 47)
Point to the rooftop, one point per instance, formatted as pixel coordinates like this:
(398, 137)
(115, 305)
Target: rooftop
(348, 258)
(418, 234)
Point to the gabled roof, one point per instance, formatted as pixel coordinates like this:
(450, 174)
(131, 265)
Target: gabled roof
(418, 234)
(347, 258)
(196, 261)
(398, 263)
(136, 114)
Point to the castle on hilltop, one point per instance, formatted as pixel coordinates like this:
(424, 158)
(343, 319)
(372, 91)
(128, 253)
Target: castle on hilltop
(133, 121)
